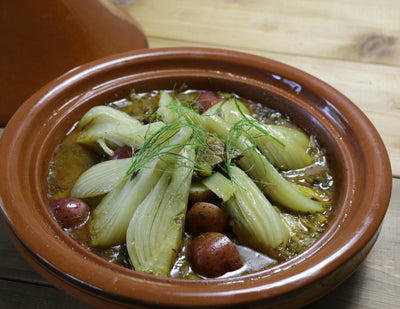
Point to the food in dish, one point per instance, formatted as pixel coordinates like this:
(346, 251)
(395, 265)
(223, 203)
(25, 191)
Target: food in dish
(191, 184)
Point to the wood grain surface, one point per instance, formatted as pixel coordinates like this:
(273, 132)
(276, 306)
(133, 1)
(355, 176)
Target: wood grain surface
(352, 45)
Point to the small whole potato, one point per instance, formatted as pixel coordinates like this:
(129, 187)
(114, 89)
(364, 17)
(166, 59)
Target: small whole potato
(206, 217)
(122, 153)
(69, 212)
(200, 193)
(206, 100)
(213, 254)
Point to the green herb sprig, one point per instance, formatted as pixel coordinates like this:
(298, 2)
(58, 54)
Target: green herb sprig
(157, 145)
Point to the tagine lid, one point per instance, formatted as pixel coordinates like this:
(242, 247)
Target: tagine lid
(48, 38)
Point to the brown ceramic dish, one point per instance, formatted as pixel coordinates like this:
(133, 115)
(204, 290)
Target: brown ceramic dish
(41, 40)
(356, 154)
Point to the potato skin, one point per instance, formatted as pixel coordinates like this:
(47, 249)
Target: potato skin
(69, 212)
(122, 153)
(206, 217)
(206, 100)
(213, 254)
(200, 194)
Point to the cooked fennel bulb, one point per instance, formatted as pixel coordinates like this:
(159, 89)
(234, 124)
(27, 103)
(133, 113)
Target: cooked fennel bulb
(253, 219)
(261, 170)
(220, 185)
(286, 148)
(106, 128)
(101, 178)
(170, 109)
(155, 231)
(111, 217)
(165, 109)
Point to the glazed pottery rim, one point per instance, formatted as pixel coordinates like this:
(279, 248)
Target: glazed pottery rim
(247, 288)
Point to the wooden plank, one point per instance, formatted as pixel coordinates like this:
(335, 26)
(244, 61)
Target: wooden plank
(358, 30)
(18, 295)
(13, 267)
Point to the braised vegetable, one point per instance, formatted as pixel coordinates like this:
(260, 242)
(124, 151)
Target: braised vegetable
(100, 178)
(206, 100)
(70, 212)
(220, 185)
(111, 217)
(155, 231)
(285, 147)
(105, 128)
(123, 152)
(260, 169)
(253, 218)
(199, 188)
(214, 254)
(206, 217)
(200, 193)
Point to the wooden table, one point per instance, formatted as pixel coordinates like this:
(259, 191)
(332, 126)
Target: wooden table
(352, 45)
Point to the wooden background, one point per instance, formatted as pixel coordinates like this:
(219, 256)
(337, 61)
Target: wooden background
(352, 45)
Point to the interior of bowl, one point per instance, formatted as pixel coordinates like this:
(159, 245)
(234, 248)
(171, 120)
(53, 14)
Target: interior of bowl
(355, 152)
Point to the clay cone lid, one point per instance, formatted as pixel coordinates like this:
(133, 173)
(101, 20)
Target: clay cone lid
(44, 39)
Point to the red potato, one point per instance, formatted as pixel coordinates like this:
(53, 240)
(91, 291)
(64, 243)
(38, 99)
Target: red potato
(213, 254)
(122, 153)
(69, 212)
(206, 100)
(206, 217)
(200, 193)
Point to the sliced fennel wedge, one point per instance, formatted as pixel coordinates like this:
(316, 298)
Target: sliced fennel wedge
(220, 185)
(285, 147)
(225, 108)
(111, 217)
(253, 219)
(170, 109)
(100, 178)
(107, 112)
(262, 171)
(289, 156)
(106, 128)
(155, 232)
(165, 111)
